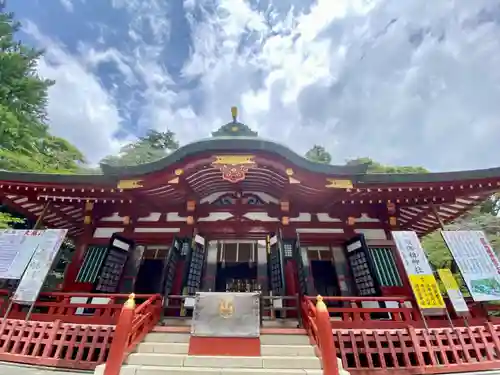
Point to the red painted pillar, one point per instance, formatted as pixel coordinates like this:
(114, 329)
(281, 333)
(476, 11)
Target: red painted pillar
(325, 338)
(77, 260)
(120, 341)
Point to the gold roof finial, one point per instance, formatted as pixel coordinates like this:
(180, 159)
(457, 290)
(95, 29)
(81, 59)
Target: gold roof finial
(130, 303)
(234, 113)
(320, 305)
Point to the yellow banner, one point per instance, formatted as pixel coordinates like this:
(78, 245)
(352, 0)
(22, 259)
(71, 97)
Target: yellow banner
(453, 290)
(426, 292)
(448, 280)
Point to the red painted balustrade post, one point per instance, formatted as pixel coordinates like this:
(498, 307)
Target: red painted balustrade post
(120, 338)
(325, 338)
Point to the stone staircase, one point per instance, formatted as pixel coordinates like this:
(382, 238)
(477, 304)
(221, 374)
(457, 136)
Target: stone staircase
(167, 353)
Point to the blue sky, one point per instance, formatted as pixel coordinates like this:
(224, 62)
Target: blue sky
(404, 82)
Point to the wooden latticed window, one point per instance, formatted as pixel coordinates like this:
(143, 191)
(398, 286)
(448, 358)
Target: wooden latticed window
(386, 270)
(94, 256)
(184, 248)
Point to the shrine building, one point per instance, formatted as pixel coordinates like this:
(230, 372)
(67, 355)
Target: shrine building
(236, 212)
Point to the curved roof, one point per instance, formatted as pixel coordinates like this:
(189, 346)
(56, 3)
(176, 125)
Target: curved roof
(193, 171)
(234, 144)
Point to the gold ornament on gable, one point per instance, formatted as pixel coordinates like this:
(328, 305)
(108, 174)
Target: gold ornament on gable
(338, 184)
(234, 167)
(129, 184)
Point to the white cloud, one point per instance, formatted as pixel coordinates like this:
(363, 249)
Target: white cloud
(404, 82)
(68, 5)
(79, 108)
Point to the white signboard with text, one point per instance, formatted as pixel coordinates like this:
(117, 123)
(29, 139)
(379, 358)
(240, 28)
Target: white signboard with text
(477, 262)
(46, 251)
(16, 249)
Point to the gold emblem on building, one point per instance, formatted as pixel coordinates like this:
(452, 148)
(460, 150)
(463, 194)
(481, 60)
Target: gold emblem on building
(234, 167)
(226, 308)
(338, 184)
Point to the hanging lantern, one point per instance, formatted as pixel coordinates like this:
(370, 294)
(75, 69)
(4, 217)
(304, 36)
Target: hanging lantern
(87, 219)
(89, 206)
(190, 206)
(393, 221)
(252, 255)
(285, 206)
(285, 220)
(223, 256)
(190, 220)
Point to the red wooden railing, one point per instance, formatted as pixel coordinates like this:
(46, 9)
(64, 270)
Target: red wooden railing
(54, 344)
(349, 312)
(133, 324)
(56, 305)
(56, 336)
(405, 349)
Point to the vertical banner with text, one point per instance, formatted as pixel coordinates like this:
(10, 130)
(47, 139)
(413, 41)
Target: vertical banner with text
(420, 275)
(453, 291)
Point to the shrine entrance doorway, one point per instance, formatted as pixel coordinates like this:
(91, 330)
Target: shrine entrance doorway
(237, 266)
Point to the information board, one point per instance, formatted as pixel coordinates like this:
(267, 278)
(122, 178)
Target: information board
(39, 266)
(16, 249)
(477, 262)
(420, 275)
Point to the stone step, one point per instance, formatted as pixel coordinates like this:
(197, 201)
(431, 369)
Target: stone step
(284, 339)
(162, 370)
(287, 350)
(264, 362)
(176, 322)
(162, 347)
(167, 337)
(280, 323)
(266, 350)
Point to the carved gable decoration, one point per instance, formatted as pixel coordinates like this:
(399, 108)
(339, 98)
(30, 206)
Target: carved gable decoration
(225, 200)
(234, 167)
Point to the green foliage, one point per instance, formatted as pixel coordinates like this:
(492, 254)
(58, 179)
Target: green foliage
(25, 141)
(318, 154)
(7, 220)
(375, 167)
(492, 205)
(153, 146)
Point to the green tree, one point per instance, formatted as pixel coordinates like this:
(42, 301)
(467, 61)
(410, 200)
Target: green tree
(492, 205)
(318, 154)
(25, 141)
(151, 147)
(7, 220)
(375, 167)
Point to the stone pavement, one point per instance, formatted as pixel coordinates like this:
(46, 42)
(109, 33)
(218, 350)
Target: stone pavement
(12, 369)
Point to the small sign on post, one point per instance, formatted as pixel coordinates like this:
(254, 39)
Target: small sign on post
(453, 291)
